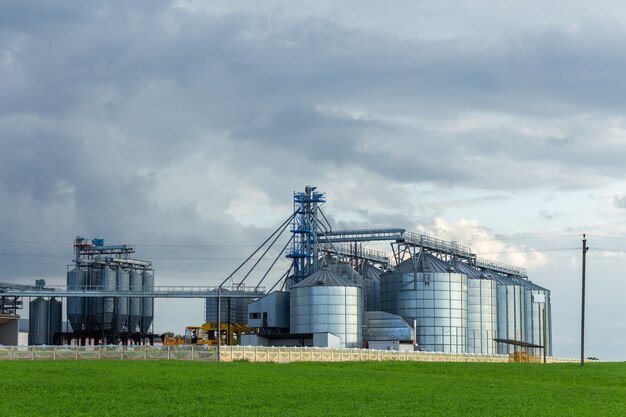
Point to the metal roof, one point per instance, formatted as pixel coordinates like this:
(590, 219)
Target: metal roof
(518, 343)
(469, 270)
(424, 262)
(369, 271)
(514, 280)
(326, 278)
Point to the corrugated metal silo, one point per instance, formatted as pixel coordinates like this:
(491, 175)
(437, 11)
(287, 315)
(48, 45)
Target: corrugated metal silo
(55, 317)
(511, 311)
(134, 317)
(482, 323)
(95, 278)
(325, 302)
(538, 298)
(122, 303)
(45, 318)
(109, 283)
(147, 304)
(76, 306)
(228, 310)
(371, 286)
(38, 310)
(425, 289)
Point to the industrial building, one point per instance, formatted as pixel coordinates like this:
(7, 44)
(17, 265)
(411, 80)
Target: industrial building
(425, 293)
(438, 296)
(109, 319)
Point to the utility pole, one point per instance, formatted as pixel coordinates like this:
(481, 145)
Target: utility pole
(582, 316)
(545, 336)
(218, 332)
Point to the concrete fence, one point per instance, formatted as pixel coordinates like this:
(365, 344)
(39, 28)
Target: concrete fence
(239, 353)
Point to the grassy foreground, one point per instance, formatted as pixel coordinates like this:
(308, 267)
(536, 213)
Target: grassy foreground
(172, 388)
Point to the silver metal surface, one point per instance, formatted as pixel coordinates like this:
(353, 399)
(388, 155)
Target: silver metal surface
(44, 321)
(109, 277)
(95, 277)
(147, 304)
(270, 312)
(371, 287)
(386, 326)
(227, 310)
(511, 311)
(38, 322)
(482, 299)
(481, 316)
(122, 303)
(534, 319)
(77, 306)
(325, 302)
(420, 290)
(55, 319)
(135, 311)
(178, 291)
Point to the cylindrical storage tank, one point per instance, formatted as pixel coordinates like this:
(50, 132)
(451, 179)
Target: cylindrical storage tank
(511, 315)
(425, 289)
(38, 321)
(537, 305)
(228, 311)
(55, 318)
(325, 302)
(371, 287)
(109, 277)
(76, 306)
(95, 278)
(350, 274)
(134, 316)
(482, 324)
(147, 304)
(241, 309)
(121, 303)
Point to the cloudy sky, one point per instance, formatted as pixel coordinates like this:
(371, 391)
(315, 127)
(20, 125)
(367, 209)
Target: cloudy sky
(184, 127)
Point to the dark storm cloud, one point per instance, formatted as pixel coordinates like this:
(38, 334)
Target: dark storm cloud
(102, 101)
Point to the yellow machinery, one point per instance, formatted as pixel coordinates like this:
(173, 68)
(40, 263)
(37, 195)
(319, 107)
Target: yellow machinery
(230, 334)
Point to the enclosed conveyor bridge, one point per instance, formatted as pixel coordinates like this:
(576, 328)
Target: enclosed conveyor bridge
(156, 292)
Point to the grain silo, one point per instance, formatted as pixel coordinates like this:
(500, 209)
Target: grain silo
(481, 309)
(426, 289)
(325, 302)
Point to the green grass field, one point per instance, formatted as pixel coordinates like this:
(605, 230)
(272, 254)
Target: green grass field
(172, 388)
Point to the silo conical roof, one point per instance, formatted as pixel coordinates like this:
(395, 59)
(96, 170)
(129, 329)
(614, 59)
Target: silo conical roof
(369, 271)
(326, 278)
(468, 270)
(424, 262)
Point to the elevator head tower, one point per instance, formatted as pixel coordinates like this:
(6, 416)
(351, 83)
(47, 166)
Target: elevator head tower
(305, 246)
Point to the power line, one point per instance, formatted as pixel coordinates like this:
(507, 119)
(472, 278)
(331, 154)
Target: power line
(521, 238)
(530, 251)
(608, 237)
(608, 249)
